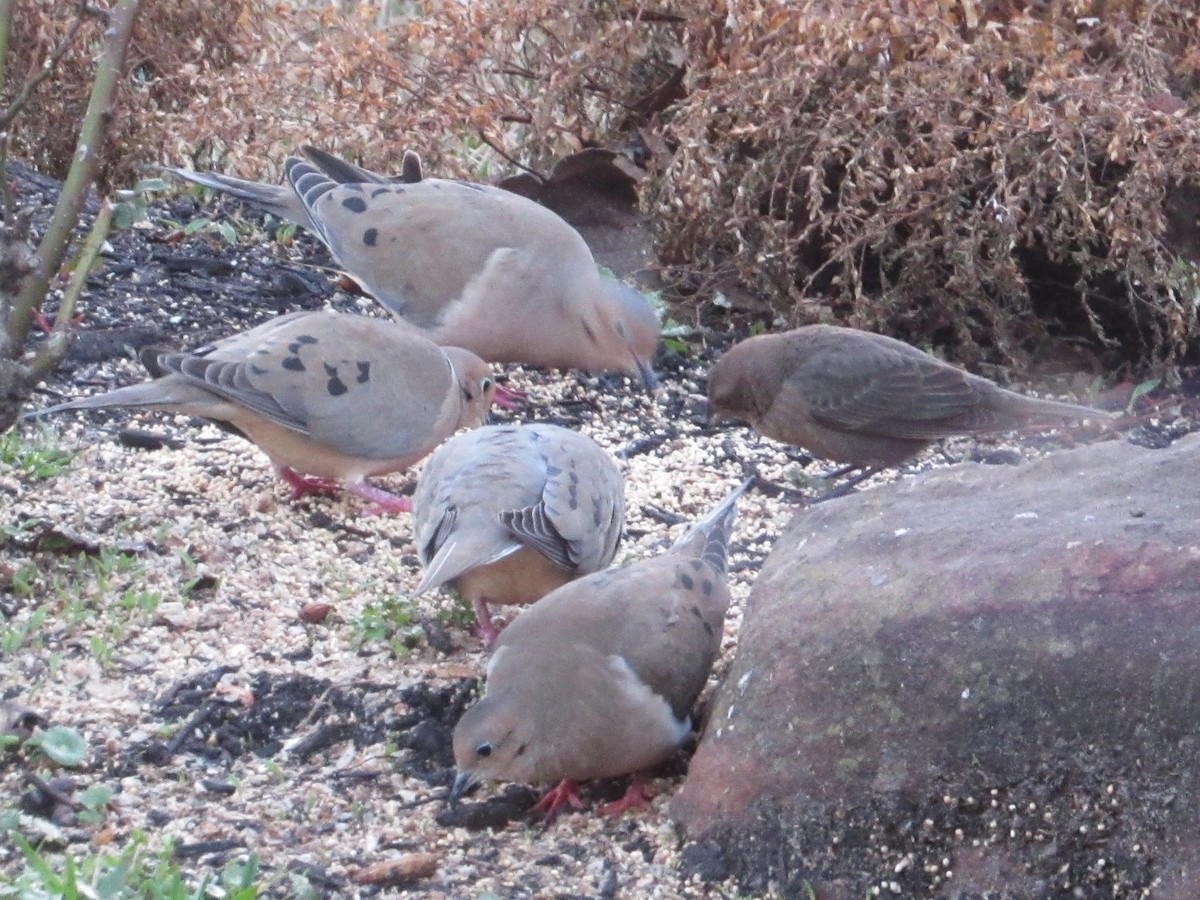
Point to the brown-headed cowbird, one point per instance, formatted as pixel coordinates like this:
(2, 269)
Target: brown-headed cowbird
(863, 399)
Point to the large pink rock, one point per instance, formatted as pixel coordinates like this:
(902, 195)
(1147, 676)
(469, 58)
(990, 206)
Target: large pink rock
(987, 671)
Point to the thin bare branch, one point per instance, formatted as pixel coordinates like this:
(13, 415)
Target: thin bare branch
(88, 151)
(82, 11)
(56, 346)
(500, 152)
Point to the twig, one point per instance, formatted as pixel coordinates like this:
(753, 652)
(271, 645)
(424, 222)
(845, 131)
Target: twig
(650, 15)
(88, 149)
(55, 348)
(197, 719)
(658, 514)
(483, 137)
(644, 445)
(518, 71)
(432, 798)
(204, 848)
(358, 774)
(57, 796)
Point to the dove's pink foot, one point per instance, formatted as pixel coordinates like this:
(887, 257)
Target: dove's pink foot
(487, 629)
(386, 503)
(46, 324)
(509, 398)
(635, 798)
(305, 484)
(565, 793)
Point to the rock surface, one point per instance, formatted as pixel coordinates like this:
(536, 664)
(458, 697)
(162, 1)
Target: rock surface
(962, 679)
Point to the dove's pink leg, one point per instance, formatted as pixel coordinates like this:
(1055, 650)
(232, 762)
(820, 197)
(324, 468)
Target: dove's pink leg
(635, 797)
(304, 484)
(385, 502)
(566, 793)
(45, 324)
(483, 616)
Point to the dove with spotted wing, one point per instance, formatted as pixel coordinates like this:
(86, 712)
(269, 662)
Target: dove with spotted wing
(330, 398)
(280, 200)
(479, 267)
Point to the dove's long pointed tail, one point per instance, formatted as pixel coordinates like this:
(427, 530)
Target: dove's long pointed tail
(164, 393)
(460, 552)
(340, 170)
(709, 538)
(277, 199)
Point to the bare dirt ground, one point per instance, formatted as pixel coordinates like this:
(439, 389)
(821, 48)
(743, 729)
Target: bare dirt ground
(163, 596)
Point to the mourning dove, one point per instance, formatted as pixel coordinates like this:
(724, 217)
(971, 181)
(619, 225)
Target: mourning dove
(481, 268)
(508, 513)
(598, 678)
(476, 266)
(332, 397)
(281, 201)
(861, 398)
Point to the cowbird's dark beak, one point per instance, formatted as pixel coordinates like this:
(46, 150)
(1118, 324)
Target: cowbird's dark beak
(714, 416)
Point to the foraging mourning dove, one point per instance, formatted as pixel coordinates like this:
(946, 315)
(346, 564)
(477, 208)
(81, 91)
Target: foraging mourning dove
(482, 268)
(863, 399)
(500, 276)
(281, 201)
(508, 513)
(330, 396)
(598, 678)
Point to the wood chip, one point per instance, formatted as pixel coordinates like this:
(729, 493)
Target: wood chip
(410, 867)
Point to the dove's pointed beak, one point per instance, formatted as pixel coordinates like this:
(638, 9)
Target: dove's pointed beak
(463, 782)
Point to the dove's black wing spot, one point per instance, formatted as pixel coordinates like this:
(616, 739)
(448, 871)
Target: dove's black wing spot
(335, 385)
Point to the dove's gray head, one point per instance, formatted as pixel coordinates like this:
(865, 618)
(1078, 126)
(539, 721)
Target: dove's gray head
(625, 330)
(493, 742)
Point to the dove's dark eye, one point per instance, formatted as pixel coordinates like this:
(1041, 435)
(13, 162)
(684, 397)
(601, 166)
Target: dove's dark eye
(484, 750)
(485, 385)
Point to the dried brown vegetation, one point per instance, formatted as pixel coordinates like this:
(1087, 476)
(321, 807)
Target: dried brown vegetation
(980, 175)
(176, 47)
(969, 177)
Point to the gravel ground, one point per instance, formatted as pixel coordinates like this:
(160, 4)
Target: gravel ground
(186, 636)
